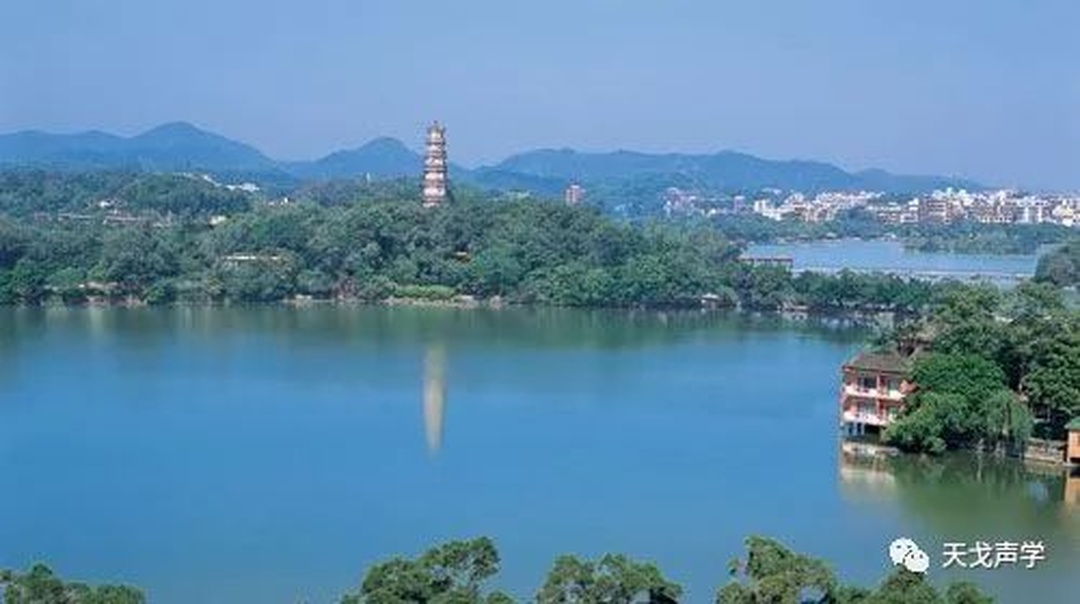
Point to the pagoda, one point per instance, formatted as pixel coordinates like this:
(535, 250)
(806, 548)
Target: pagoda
(435, 167)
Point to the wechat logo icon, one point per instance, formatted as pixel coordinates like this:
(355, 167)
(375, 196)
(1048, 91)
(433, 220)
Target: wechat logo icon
(905, 552)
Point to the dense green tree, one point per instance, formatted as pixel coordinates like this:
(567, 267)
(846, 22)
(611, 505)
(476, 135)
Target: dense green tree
(613, 579)
(1052, 383)
(452, 573)
(457, 572)
(136, 257)
(905, 587)
(966, 321)
(1061, 267)
(961, 401)
(40, 586)
(772, 573)
(25, 283)
(13, 243)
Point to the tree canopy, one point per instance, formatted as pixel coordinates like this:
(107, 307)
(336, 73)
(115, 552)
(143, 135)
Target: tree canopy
(1004, 367)
(166, 238)
(40, 586)
(1061, 267)
(457, 572)
(773, 574)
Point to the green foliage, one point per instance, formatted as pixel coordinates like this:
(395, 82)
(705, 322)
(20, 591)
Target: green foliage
(40, 586)
(614, 579)
(959, 237)
(333, 246)
(14, 243)
(26, 192)
(452, 573)
(136, 257)
(773, 574)
(424, 292)
(1061, 267)
(966, 320)
(1052, 383)
(905, 587)
(852, 290)
(987, 341)
(457, 572)
(961, 402)
(966, 593)
(976, 238)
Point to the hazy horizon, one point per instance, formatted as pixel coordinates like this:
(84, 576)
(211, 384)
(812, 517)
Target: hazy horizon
(985, 92)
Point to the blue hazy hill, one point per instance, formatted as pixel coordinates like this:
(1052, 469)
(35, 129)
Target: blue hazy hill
(180, 146)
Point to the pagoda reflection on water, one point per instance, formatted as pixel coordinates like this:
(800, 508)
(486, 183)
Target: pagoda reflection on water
(434, 395)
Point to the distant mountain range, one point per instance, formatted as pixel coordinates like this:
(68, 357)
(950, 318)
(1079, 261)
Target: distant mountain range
(180, 146)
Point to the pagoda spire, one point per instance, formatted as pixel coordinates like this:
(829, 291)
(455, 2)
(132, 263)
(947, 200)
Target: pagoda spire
(436, 181)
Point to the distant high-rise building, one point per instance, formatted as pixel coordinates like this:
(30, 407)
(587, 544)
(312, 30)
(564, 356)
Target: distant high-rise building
(574, 194)
(435, 167)
(935, 210)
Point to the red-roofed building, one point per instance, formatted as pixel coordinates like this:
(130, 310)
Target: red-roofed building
(872, 391)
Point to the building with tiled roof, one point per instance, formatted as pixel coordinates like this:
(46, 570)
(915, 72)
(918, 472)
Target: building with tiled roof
(873, 389)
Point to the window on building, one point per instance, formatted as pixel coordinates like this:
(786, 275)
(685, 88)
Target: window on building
(867, 383)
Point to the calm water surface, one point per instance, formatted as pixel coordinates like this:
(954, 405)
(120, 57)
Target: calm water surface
(269, 455)
(890, 255)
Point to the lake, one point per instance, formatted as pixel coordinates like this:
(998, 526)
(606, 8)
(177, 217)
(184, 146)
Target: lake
(883, 255)
(271, 454)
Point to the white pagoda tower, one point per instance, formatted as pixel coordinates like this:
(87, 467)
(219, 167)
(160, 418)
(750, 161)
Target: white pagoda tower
(435, 167)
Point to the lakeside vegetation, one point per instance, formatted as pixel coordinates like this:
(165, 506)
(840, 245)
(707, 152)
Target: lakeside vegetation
(958, 237)
(459, 572)
(147, 238)
(1003, 366)
(1061, 267)
(39, 585)
(330, 245)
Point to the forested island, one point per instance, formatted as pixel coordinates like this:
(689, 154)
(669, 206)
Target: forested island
(152, 241)
(459, 572)
(133, 238)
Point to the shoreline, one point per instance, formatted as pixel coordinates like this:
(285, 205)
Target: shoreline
(876, 449)
(467, 302)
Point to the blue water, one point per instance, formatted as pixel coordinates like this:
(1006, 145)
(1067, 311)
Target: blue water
(880, 255)
(270, 455)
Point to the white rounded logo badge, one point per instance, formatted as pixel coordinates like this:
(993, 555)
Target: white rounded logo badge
(905, 552)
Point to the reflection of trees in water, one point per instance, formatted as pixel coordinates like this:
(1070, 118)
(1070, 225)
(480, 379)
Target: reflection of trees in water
(1072, 489)
(18, 327)
(969, 497)
(377, 325)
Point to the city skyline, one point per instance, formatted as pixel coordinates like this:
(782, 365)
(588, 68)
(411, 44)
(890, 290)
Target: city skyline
(915, 89)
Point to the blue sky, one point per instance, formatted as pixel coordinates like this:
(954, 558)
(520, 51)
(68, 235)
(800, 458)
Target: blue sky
(984, 89)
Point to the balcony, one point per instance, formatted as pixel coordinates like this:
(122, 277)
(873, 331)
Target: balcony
(869, 418)
(890, 394)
